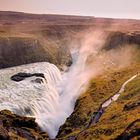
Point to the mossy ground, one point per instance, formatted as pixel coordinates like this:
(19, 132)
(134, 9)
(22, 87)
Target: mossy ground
(114, 121)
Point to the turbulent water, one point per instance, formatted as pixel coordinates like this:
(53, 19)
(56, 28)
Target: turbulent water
(29, 98)
(51, 101)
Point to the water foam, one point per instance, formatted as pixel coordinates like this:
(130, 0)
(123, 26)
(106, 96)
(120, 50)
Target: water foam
(28, 98)
(50, 102)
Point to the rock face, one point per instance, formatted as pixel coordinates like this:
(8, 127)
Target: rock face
(131, 106)
(116, 39)
(21, 128)
(131, 132)
(21, 42)
(16, 51)
(21, 76)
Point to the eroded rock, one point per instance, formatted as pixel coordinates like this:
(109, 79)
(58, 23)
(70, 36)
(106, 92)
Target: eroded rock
(17, 127)
(21, 76)
(21, 50)
(130, 106)
(117, 39)
(132, 131)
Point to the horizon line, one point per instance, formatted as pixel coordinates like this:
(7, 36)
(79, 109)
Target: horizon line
(76, 15)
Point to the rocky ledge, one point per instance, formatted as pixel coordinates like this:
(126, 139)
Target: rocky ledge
(118, 39)
(20, 128)
(21, 76)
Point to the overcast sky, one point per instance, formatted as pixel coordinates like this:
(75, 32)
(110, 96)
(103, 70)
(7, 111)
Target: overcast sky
(98, 8)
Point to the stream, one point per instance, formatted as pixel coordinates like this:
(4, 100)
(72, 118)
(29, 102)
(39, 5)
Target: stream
(95, 118)
(110, 100)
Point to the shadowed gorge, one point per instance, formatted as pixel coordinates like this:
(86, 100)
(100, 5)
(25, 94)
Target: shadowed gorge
(117, 39)
(69, 77)
(13, 48)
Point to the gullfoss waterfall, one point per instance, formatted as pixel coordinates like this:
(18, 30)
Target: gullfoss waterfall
(51, 98)
(28, 97)
(50, 101)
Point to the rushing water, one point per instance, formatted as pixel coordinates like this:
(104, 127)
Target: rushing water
(53, 100)
(29, 98)
(50, 102)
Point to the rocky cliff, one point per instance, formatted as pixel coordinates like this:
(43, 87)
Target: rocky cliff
(16, 51)
(20, 128)
(118, 39)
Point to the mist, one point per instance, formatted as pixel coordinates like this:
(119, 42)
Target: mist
(53, 102)
(89, 60)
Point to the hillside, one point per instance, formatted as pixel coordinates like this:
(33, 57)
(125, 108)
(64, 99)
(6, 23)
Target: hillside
(117, 117)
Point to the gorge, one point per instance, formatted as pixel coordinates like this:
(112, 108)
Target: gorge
(58, 73)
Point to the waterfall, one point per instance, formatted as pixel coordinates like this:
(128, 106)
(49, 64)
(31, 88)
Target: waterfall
(73, 83)
(27, 98)
(50, 102)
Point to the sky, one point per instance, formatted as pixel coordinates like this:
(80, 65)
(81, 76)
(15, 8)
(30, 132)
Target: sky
(98, 8)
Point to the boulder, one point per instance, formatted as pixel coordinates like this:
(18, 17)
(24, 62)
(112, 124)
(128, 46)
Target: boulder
(21, 76)
(37, 80)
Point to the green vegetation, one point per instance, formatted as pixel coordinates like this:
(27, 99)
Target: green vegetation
(114, 121)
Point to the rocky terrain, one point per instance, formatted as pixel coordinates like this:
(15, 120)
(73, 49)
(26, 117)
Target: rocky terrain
(12, 48)
(14, 127)
(28, 38)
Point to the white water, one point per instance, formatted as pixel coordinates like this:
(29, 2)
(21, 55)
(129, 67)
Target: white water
(50, 102)
(32, 99)
(73, 83)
